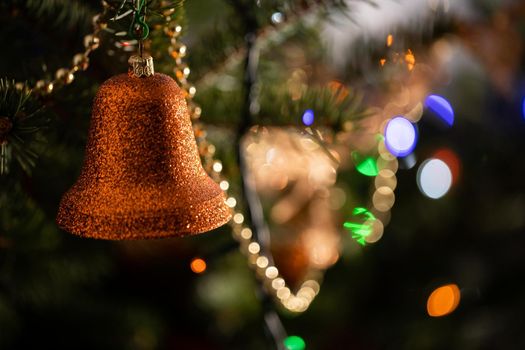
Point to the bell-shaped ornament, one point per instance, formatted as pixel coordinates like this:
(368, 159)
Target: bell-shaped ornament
(142, 176)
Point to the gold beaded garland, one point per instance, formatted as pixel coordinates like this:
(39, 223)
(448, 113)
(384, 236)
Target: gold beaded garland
(81, 61)
(65, 76)
(91, 42)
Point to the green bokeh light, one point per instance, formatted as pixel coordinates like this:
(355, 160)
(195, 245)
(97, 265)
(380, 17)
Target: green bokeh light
(294, 343)
(365, 165)
(361, 231)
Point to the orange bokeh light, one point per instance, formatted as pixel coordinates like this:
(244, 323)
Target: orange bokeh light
(389, 40)
(410, 59)
(198, 265)
(452, 160)
(443, 300)
(339, 90)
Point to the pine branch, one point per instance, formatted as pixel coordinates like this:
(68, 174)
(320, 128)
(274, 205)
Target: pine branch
(21, 120)
(332, 107)
(222, 46)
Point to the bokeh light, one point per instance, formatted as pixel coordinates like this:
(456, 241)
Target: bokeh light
(277, 17)
(217, 167)
(440, 107)
(389, 40)
(308, 117)
(320, 247)
(386, 177)
(383, 198)
(443, 300)
(363, 227)
(392, 164)
(376, 230)
(452, 160)
(224, 185)
(415, 114)
(294, 342)
(410, 60)
(434, 178)
(408, 162)
(400, 136)
(198, 265)
(365, 165)
(523, 107)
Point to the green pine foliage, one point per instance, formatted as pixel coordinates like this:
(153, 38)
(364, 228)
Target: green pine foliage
(23, 125)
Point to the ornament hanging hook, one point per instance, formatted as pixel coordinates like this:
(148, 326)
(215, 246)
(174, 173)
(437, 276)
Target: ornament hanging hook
(140, 66)
(139, 28)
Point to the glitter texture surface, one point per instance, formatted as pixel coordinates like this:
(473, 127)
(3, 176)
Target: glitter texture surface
(142, 176)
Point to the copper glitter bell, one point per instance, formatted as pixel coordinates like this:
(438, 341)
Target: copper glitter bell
(142, 176)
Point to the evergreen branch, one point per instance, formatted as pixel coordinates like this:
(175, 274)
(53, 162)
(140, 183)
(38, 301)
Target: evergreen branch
(222, 47)
(21, 123)
(331, 107)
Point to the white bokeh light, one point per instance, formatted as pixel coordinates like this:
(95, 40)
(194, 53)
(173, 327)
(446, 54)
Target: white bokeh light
(400, 136)
(434, 178)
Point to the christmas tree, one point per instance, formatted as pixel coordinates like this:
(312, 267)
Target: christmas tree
(367, 153)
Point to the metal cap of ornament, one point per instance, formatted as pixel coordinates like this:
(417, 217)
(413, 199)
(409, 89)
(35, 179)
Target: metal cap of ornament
(141, 66)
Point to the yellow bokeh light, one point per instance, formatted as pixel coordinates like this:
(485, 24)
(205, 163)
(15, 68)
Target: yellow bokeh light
(314, 285)
(387, 178)
(254, 248)
(271, 272)
(262, 262)
(383, 163)
(246, 233)
(283, 293)
(278, 283)
(217, 167)
(377, 230)
(238, 218)
(415, 114)
(443, 300)
(383, 198)
(231, 202)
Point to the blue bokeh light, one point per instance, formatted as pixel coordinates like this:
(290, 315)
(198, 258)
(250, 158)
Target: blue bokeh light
(440, 107)
(308, 117)
(400, 136)
(523, 107)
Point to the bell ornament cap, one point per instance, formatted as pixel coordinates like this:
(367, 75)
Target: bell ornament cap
(141, 66)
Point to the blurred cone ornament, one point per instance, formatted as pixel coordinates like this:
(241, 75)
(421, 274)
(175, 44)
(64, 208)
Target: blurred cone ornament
(142, 176)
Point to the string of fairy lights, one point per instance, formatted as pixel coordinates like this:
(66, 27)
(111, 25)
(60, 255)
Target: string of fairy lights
(370, 227)
(269, 273)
